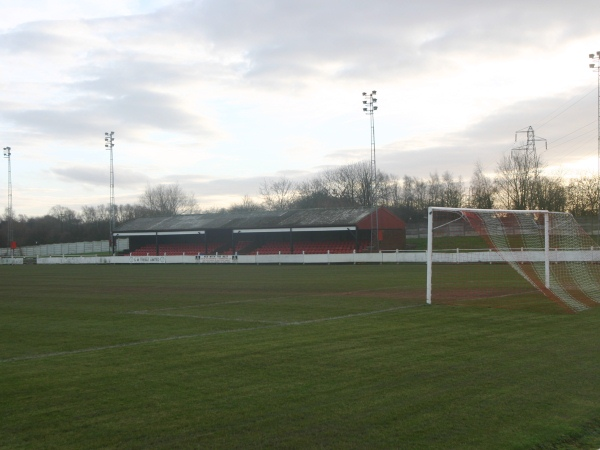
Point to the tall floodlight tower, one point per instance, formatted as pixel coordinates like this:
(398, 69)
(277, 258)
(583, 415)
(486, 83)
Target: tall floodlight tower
(109, 144)
(9, 211)
(369, 108)
(595, 66)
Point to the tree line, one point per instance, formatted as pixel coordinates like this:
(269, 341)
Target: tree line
(63, 224)
(518, 183)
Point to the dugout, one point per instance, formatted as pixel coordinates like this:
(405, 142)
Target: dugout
(317, 230)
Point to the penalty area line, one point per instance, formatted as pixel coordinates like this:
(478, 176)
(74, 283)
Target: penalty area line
(199, 335)
(226, 319)
(130, 344)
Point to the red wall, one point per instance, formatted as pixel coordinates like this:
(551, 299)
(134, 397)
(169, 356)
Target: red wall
(387, 221)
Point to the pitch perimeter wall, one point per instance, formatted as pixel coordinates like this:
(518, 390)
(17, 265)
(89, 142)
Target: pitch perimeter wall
(393, 257)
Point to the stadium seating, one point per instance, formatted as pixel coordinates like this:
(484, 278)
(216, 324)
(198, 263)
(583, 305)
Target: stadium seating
(270, 248)
(311, 247)
(273, 248)
(239, 248)
(324, 247)
(176, 249)
(149, 249)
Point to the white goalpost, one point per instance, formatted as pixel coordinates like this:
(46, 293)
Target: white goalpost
(548, 250)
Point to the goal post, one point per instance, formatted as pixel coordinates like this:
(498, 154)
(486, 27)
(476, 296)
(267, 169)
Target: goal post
(547, 250)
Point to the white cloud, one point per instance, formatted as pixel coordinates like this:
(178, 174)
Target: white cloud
(222, 93)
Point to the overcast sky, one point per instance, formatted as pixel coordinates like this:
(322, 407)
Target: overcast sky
(218, 95)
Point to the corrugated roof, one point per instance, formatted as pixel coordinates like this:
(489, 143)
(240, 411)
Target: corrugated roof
(298, 218)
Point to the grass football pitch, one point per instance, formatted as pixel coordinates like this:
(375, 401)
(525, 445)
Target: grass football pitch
(202, 356)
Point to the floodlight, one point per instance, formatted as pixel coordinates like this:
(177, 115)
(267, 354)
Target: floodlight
(595, 66)
(109, 139)
(369, 109)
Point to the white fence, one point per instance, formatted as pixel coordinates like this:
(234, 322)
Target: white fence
(397, 257)
(11, 261)
(327, 258)
(72, 248)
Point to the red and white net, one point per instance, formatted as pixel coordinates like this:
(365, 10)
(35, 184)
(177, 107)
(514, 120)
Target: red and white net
(513, 259)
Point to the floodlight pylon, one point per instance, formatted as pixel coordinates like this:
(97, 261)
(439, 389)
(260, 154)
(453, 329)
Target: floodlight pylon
(369, 108)
(109, 144)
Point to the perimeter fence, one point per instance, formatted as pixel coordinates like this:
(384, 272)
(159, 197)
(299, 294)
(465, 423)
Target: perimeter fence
(71, 248)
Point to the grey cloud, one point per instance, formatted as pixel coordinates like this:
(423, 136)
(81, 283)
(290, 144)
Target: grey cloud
(36, 37)
(567, 122)
(91, 115)
(109, 89)
(205, 187)
(93, 175)
(275, 44)
(292, 38)
(126, 71)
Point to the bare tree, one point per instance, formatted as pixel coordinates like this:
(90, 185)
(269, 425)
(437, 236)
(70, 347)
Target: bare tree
(314, 193)
(366, 193)
(344, 186)
(408, 194)
(412, 197)
(443, 191)
(518, 179)
(420, 193)
(452, 191)
(167, 200)
(128, 212)
(482, 189)
(277, 194)
(247, 204)
(582, 196)
(551, 194)
(89, 214)
(63, 213)
(434, 190)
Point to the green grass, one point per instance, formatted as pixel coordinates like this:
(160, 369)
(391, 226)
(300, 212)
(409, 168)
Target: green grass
(284, 357)
(450, 243)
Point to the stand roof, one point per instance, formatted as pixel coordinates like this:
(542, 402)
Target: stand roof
(263, 220)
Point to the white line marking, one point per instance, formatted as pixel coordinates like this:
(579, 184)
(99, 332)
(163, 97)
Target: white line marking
(192, 336)
(233, 319)
(202, 305)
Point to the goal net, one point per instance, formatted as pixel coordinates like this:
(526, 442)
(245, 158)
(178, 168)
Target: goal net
(510, 258)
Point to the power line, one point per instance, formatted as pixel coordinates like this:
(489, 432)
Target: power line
(565, 155)
(563, 110)
(556, 143)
